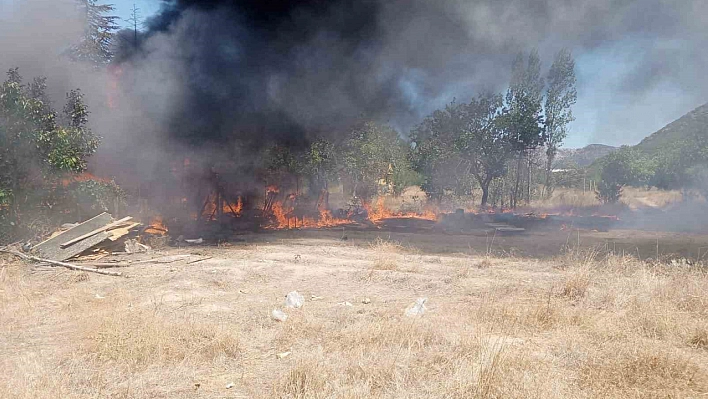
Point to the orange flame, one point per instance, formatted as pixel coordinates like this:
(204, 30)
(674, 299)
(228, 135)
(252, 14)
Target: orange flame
(156, 227)
(379, 212)
(227, 208)
(82, 177)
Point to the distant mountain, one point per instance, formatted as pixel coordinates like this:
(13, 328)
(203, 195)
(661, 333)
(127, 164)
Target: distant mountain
(582, 157)
(693, 124)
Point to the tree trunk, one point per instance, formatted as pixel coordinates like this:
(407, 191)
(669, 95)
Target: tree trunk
(485, 194)
(515, 193)
(547, 186)
(528, 181)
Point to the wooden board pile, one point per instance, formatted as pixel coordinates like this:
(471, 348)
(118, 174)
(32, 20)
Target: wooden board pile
(92, 239)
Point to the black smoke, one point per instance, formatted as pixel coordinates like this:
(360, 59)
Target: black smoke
(289, 70)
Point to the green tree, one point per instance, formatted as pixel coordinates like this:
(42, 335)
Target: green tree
(524, 119)
(321, 164)
(94, 46)
(37, 147)
(484, 141)
(435, 155)
(561, 95)
(370, 153)
(626, 166)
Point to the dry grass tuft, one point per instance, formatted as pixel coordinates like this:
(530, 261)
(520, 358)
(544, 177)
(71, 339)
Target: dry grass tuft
(138, 338)
(625, 370)
(384, 263)
(388, 246)
(385, 254)
(699, 337)
(306, 380)
(576, 283)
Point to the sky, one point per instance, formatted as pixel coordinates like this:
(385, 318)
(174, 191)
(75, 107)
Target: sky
(146, 9)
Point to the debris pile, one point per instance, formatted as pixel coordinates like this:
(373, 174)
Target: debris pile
(92, 239)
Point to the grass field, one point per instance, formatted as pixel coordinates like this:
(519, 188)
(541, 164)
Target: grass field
(580, 324)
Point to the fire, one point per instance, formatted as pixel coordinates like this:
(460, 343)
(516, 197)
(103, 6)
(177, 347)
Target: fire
(115, 73)
(283, 213)
(227, 208)
(82, 177)
(379, 212)
(156, 227)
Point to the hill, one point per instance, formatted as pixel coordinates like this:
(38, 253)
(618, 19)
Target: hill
(691, 125)
(582, 157)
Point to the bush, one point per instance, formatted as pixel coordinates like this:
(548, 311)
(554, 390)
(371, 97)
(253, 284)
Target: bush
(607, 192)
(90, 197)
(627, 166)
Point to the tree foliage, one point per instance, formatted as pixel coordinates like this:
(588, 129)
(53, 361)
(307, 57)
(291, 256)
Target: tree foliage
(370, 153)
(37, 146)
(561, 95)
(435, 154)
(94, 46)
(524, 117)
(626, 166)
(479, 139)
(484, 141)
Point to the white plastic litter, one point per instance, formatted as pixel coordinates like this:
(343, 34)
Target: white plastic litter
(279, 315)
(418, 308)
(294, 300)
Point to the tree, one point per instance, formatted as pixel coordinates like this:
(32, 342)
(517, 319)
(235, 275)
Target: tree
(561, 95)
(94, 47)
(523, 118)
(37, 147)
(626, 166)
(484, 141)
(135, 21)
(368, 155)
(435, 154)
(320, 164)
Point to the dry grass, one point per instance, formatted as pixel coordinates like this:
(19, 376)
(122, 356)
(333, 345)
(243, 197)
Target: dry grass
(140, 339)
(579, 201)
(386, 254)
(585, 324)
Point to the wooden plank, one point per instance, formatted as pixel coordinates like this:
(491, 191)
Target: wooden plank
(51, 249)
(122, 231)
(96, 231)
(81, 228)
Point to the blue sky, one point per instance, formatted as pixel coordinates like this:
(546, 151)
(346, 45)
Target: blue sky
(146, 8)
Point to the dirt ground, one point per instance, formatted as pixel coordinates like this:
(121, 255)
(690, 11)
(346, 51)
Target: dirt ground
(506, 317)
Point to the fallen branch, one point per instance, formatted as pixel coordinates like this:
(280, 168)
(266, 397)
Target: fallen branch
(107, 265)
(63, 264)
(199, 260)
